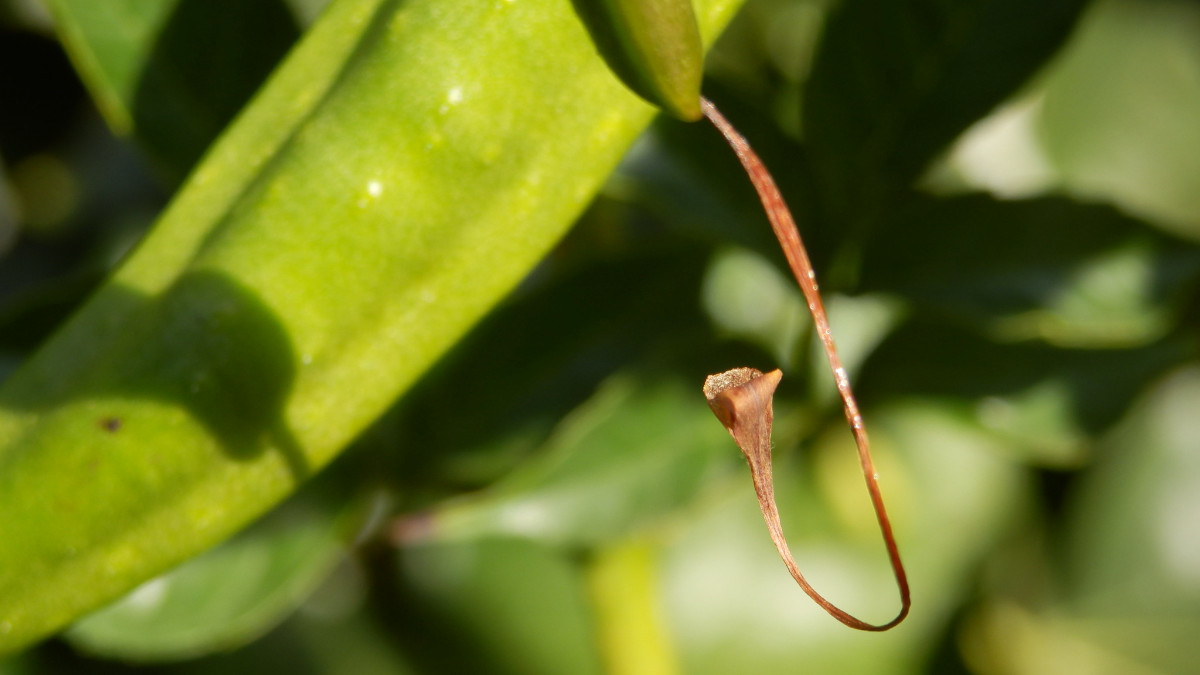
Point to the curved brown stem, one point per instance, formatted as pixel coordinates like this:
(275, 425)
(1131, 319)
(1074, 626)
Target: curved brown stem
(740, 393)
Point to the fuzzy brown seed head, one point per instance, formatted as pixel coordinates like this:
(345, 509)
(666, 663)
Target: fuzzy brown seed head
(715, 384)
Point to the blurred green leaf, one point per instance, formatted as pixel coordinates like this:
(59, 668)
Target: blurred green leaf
(1126, 592)
(640, 301)
(16, 666)
(355, 644)
(732, 606)
(686, 175)
(1007, 638)
(1133, 538)
(748, 298)
(894, 83)
(221, 599)
(630, 628)
(1052, 269)
(638, 449)
(496, 605)
(1118, 111)
(174, 72)
(1095, 386)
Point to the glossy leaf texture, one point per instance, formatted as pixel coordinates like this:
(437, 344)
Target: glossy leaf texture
(402, 171)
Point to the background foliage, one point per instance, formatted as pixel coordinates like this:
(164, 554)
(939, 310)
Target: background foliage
(1000, 198)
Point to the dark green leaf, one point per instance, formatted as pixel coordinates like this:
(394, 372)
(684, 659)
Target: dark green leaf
(174, 72)
(927, 358)
(1075, 275)
(638, 449)
(495, 605)
(592, 319)
(894, 83)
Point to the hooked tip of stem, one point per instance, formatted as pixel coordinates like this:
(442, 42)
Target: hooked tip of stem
(741, 396)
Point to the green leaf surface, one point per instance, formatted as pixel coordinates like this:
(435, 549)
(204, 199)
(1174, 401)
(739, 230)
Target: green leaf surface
(110, 43)
(1124, 595)
(220, 599)
(1132, 538)
(174, 72)
(401, 172)
(1118, 111)
(506, 605)
(686, 175)
(638, 449)
(893, 84)
(654, 46)
(749, 299)
(639, 306)
(1052, 269)
(931, 359)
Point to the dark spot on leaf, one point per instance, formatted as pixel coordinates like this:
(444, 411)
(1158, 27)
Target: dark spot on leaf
(111, 424)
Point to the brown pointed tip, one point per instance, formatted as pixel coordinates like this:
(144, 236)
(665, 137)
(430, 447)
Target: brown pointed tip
(737, 377)
(741, 393)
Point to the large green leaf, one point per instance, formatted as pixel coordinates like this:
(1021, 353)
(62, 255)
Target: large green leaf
(404, 168)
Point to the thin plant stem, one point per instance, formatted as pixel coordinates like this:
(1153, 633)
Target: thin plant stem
(793, 249)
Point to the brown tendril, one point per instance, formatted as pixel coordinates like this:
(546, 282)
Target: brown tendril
(741, 398)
